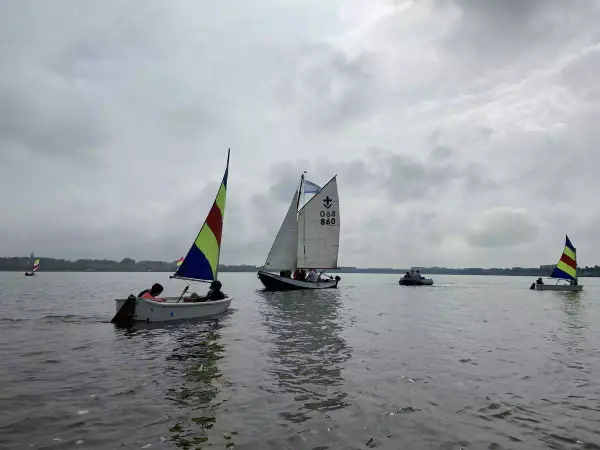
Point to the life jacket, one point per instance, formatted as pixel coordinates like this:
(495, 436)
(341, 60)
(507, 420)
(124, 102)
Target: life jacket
(215, 295)
(148, 295)
(145, 291)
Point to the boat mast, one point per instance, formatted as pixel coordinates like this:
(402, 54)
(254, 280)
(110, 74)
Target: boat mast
(304, 221)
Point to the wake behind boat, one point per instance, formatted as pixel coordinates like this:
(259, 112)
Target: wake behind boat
(566, 269)
(200, 264)
(308, 239)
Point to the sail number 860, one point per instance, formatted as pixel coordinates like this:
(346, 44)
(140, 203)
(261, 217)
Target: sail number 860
(328, 218)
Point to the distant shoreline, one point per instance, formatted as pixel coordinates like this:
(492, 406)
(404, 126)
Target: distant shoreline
(329, 271)
(22, 264)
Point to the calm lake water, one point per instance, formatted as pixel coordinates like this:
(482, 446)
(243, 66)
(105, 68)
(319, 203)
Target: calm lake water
(471, 363)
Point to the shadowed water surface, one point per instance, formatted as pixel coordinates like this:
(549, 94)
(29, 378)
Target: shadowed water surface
(472, 362)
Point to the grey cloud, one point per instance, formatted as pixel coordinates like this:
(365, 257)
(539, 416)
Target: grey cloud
(502, 227)
(406, 178)
(42, 115)
(492, 33)
(328, 86)
(124, 116)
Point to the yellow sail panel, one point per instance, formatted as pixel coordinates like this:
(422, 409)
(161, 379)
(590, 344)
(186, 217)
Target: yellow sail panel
(220, 200)
(570, 253)
(207, 243)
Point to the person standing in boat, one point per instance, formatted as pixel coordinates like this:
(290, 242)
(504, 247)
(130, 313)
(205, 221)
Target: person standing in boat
(312, 276)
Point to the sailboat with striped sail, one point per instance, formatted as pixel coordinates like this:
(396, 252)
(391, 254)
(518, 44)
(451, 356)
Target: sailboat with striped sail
(35, 267)
(566, 269)
(307, 239)
(201, 264)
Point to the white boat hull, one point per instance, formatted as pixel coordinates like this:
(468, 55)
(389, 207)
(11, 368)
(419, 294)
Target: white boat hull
(558, 287)
(147, 310)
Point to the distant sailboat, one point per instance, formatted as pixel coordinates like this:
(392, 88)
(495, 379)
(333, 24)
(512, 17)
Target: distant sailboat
(307, 239)
(566, 269)
(200, 264)
(34, 269)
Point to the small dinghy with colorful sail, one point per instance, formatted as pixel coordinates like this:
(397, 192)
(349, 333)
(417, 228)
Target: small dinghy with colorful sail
(565, 270)
(200, 265)
(307, 240)
(34, 268)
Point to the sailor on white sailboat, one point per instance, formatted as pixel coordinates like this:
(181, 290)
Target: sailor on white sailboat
(312, 276)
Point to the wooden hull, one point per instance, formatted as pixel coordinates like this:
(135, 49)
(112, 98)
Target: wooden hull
(558, 287)
(411, 282)
(273, 282)
(148, 311)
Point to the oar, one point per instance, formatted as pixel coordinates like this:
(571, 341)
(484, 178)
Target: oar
(183, 293)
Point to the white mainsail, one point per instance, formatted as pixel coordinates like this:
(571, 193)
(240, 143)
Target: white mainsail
(308, 238)
(319, 229)
(285, 248)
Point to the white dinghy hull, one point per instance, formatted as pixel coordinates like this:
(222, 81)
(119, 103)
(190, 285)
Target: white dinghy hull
(559, 287)
(149, 311)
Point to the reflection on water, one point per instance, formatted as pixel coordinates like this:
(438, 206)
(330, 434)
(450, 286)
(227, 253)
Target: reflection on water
(308, 353)
(194, 360)
(574, 322)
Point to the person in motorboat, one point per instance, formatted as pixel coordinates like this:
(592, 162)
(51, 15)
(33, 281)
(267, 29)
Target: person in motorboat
(312, 276)
(151, 293)
(417, 275)
(407, 275)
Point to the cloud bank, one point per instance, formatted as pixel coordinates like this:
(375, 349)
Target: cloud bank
(462, 132)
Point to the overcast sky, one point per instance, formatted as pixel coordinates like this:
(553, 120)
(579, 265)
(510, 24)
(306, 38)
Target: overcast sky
(464, 133)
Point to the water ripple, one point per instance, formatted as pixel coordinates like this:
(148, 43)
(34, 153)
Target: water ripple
(476, 362)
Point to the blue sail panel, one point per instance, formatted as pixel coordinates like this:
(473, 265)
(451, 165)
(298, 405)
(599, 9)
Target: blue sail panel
(195, 266)
(569, 245)
(557, 273)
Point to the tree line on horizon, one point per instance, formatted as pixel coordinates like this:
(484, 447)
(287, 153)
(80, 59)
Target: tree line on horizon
(130, 265)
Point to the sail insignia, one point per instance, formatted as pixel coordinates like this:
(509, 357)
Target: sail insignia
(566, 268)
(202, 261)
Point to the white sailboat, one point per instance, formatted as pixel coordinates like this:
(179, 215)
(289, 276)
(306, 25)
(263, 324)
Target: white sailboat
(200, 264)
(307, 239)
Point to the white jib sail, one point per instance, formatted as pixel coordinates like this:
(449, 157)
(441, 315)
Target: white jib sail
(285, 248)
(319, 229)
